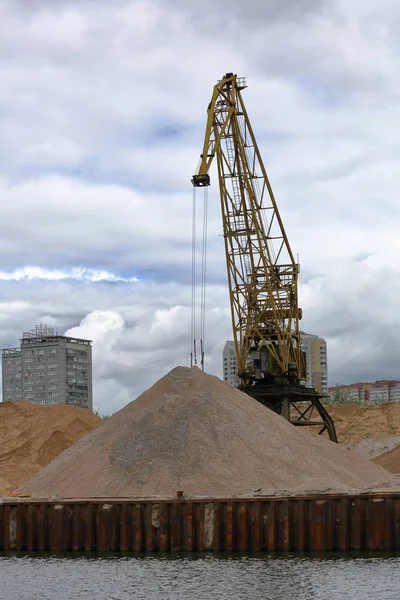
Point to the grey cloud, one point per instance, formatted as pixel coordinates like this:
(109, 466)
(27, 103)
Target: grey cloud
(354, 305)
(88, 178)
(154, 336)
(252, 11)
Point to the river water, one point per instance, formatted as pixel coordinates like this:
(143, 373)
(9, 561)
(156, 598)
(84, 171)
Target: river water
(199, 577)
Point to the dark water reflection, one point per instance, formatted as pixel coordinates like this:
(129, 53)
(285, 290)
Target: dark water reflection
(198, 577)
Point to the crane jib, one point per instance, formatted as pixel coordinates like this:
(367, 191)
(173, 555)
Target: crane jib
(261, 269)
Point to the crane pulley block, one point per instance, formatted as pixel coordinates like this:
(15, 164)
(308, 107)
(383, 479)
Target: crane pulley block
(201, 180)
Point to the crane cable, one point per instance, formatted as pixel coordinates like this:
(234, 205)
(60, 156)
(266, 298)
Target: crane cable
(203, 277)
(193, 340)
(193, 353)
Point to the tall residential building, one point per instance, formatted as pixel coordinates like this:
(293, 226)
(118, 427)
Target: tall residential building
(230, 363)
(48, 368)
(316, 359)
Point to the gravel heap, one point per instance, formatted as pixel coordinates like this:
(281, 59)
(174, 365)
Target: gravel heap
(195, 433)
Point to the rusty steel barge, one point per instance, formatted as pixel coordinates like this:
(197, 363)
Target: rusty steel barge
(318, 523)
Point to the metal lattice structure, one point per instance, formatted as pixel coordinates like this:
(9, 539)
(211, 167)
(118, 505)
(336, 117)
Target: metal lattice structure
(262, 272)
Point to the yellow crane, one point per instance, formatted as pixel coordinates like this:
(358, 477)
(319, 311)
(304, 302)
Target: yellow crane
(262, 272)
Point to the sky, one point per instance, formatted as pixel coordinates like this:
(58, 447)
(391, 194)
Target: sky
(102, 119)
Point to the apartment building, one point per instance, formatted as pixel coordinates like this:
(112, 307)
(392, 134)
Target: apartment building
(377, 392)
(315, 349)
(230, 363)
(48, 368)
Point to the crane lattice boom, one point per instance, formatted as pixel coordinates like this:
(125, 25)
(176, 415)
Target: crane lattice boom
(262, 273)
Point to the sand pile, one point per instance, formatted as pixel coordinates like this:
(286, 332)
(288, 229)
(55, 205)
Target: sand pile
(390, 460)
(195, 433)
(31, 436)
(373, 432)
(354, 422)
(372, 448)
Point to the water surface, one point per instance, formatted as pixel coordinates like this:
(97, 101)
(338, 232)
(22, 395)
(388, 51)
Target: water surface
(198, 577)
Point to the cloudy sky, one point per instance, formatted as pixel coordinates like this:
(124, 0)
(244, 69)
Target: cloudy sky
(102, 115)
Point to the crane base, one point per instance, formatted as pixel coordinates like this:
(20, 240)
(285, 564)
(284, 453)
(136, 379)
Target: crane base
(301, 406)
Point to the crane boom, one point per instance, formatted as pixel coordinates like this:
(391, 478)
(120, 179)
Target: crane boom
(262, 272)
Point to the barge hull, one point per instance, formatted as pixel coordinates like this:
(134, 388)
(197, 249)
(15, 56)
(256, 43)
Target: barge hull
(324, 523)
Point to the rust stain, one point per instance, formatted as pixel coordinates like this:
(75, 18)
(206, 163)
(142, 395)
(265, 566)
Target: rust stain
(188, 527)
(243, 527)
(228, 525)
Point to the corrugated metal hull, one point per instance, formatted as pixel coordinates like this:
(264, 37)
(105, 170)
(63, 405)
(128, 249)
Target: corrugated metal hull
(326, 523)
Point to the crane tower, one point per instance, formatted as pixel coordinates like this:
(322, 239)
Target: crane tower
(262, 271)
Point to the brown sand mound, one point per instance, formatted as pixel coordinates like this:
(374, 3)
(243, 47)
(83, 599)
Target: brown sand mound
(354, 422)
(31, 436)
(390, 461)
(196, 433)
